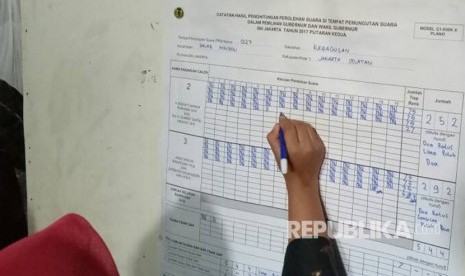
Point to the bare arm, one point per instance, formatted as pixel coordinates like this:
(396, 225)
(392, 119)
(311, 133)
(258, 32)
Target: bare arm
(306, 153)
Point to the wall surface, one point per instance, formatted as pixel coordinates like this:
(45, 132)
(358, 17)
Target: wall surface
(10, 43)
(94, 121)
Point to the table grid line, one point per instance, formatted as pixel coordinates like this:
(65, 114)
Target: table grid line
(336, 116)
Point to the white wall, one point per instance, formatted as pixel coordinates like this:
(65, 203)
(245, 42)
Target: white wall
(10, 43)
(93, 120)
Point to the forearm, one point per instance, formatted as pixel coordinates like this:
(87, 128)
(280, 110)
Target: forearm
(306, 211)
(315, 253)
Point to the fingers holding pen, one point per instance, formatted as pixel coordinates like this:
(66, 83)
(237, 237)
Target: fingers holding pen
(317, 144)
(273, 140)
(302, 133)
(296, 133)
(312, 134)
(290, 133)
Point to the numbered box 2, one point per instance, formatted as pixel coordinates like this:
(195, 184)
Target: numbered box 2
(187, 105)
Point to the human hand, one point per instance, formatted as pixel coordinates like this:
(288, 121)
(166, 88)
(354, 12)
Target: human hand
(306, 153)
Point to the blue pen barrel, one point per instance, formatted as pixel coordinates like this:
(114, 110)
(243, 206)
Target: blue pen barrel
(283, 151)
(282, 144)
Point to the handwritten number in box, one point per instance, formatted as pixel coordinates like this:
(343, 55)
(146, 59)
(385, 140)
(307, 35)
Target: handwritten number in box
(424, 187)
(429, 120)
(454, 123)
(448, 191)
(441, 120)
(435, 189)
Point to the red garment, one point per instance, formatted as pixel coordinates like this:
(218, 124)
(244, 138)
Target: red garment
(70, 246)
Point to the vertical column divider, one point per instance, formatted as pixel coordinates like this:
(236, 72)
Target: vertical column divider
(400, 159)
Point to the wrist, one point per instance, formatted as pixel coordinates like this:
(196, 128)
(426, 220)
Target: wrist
(307, 187)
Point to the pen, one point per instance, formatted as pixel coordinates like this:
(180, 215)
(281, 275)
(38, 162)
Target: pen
(282, 144)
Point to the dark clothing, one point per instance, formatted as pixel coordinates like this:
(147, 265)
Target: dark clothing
(11, 126)
(313, 257)
(12, 214)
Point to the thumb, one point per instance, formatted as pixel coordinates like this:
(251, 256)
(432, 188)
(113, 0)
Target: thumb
(273, 140)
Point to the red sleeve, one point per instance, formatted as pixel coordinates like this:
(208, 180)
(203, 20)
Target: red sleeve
(70, 246)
